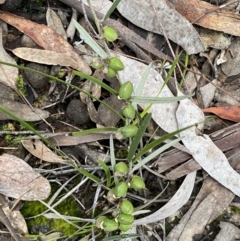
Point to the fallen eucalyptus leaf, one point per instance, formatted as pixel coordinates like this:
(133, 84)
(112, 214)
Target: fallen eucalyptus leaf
(55, 23)
(143, 14)
(8, 74)
(18, 180)
(202, 148)
(42, 56)
(45, 37)
(231, 66)
(175, 203)
(23, 111)
(38, 149)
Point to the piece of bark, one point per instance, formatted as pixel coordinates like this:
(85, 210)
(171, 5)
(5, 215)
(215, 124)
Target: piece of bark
(208, 16)
(192, 165)
(170, 159)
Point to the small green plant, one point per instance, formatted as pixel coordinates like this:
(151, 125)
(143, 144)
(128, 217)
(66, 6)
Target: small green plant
(21, 85)
(122, 216)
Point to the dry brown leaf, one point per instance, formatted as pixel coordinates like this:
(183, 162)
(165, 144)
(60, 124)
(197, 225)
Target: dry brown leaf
(12, 220)
(18, 180)
(8, 74)
(15, 217)
(148, 15)
(108, 117)
(45, 37)
(231, 66)
(45, 57)
(38, 149)
(226, 112)
(55, 23)
(208, 16)
(63, 140)
(23, 111)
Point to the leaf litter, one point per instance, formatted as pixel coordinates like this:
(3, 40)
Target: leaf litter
(207, 153)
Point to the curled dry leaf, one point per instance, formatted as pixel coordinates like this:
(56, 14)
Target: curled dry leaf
(45, 37)
(18, 180)
(147, 14)
(38, 149)
(226, 112)
(45, 57)
(8, 74)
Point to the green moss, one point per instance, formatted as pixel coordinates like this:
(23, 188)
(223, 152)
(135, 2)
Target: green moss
(21, 85)
(122, 153)
(68, 207)
(235, 209)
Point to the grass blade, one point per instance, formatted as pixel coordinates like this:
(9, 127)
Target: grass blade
(68, 84)
(90, 41)
(111, 9)
(153, 144)
(87, 174)
(155, 153)
(138, 136)
(170, 72)
(94, 130)
(158, 100)
(113, 159)
(96, 81)
(107, 172)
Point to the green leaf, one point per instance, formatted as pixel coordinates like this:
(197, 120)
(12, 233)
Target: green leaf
(111, 9)
(107, 172)
(154, 154)
(96, 81)
(151, 201)
(90, 41)
(155, 143)
(170, 72)
(158, 100)
(112, 157)
(94, 130)
(138, 136)
(87, 174)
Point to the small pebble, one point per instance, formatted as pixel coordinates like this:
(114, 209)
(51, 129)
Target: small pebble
(37, 80)
(77, 112)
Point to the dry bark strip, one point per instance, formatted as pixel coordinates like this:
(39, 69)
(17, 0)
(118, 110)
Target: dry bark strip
(208, 16)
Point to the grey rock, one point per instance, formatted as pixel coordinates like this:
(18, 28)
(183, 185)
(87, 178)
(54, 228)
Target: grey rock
(37, 80)
(77, 112)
